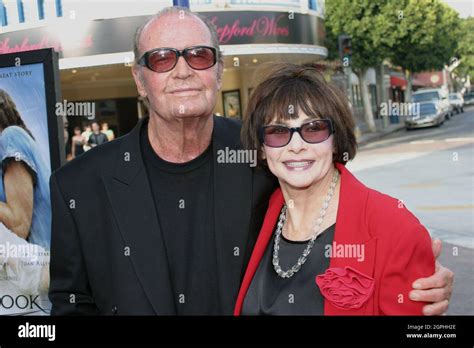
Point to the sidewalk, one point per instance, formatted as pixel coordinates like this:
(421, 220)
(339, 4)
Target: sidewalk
(366, 137)
(461, 261)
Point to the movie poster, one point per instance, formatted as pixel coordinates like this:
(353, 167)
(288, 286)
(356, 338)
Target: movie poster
(25, 208)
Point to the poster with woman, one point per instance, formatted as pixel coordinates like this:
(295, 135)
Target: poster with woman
(29, 150)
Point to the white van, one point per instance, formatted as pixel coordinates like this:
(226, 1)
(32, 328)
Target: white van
(438, 95)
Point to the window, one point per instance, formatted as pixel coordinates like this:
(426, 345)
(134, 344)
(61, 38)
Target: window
(200, 2)
(373, 97)
(40, 9)
(3, 15)
(59, 8)
(356, 96)
(21, 11)
(427, 109)
(428, 96)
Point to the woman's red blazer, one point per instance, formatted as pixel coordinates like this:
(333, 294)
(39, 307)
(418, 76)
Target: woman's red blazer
(397, 249)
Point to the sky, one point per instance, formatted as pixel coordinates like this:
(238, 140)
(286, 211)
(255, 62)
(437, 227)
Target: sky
(464, 7)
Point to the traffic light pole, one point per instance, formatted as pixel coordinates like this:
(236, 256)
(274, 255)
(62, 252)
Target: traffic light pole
(348, 73)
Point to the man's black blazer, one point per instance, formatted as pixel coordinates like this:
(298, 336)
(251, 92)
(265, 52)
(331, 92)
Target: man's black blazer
(107, 252)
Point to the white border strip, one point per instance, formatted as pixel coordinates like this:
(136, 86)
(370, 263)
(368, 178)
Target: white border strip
(125, 58)
(237, 50)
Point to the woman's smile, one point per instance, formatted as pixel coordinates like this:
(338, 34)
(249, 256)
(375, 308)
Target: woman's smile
(298, 165)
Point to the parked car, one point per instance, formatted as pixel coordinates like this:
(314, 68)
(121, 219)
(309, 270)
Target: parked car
(430, 114)
(457, 102)
(437, 95)
(469, 99)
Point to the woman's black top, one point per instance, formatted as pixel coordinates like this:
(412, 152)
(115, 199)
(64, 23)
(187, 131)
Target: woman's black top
(269, 294)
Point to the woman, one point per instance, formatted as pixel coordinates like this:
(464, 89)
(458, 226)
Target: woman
(107, 131)
(77, 143)
(328, 245)
(25, 210)
(86, 134)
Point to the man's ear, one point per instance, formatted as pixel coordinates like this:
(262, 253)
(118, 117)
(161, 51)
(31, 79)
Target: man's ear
(137, 76)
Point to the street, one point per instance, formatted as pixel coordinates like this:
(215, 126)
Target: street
(432, 171)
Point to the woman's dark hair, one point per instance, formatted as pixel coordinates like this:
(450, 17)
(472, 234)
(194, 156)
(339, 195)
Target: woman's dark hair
(289, 89)
(9, 115)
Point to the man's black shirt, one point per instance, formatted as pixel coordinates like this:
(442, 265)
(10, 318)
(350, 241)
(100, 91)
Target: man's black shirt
(184, 201)
(97, 139)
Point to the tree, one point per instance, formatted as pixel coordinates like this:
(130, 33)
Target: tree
(426, 36)
(369, 25)
(465, 51)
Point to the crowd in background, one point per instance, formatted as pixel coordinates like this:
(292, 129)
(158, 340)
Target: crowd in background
(89, 136)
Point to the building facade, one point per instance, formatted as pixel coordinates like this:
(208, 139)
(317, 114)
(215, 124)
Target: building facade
(94, 40)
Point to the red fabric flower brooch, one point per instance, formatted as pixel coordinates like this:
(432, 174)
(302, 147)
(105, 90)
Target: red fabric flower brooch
(346, 288)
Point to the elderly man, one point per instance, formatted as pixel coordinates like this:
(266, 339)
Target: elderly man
(151, 223)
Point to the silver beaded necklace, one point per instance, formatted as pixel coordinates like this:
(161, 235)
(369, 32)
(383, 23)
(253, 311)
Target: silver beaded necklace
(317, 228)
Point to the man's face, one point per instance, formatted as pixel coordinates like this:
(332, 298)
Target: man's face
(95, 128)
(182, 92)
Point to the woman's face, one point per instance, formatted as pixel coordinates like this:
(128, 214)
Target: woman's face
(299, 164)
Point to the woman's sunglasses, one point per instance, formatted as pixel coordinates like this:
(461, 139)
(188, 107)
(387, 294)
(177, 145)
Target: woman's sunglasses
(165, 59)
(312, 132)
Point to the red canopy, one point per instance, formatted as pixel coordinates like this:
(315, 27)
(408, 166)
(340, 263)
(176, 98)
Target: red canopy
(397, 81)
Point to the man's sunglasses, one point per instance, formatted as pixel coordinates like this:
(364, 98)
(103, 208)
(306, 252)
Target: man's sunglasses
(165, 59)
(312, 132)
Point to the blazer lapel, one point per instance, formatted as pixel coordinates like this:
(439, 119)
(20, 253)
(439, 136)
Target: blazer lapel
(351, 231)
(132, 203)
(232, 205)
